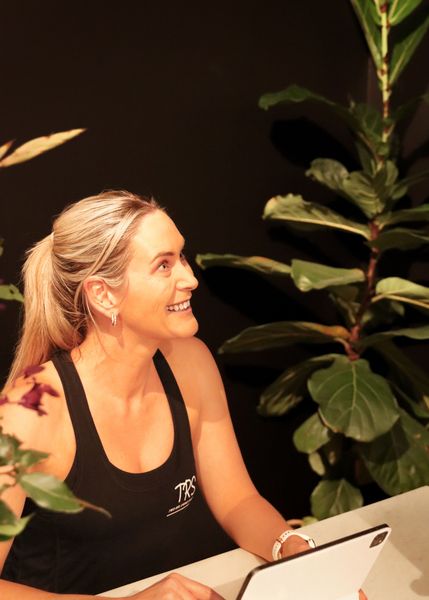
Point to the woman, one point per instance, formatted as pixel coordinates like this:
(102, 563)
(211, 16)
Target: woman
(141, 421)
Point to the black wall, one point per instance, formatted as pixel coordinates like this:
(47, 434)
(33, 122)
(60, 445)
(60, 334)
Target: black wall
(168, 92)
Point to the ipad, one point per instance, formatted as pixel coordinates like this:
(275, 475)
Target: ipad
(333, 571)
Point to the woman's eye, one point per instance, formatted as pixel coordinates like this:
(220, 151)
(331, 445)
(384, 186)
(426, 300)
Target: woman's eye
(164, 266)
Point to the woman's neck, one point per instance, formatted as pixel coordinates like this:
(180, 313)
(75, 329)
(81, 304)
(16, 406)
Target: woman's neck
(105, 364)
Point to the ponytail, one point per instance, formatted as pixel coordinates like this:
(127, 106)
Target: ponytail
(91, 237)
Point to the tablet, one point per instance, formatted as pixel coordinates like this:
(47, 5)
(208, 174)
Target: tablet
(333, 571)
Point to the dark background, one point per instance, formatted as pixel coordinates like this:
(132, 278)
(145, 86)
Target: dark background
(168, 93)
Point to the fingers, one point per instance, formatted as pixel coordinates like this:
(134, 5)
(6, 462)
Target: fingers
(362, 595)
(294, 545)
(178, 587)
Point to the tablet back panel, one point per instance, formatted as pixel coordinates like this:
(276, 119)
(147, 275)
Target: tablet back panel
(334, 571)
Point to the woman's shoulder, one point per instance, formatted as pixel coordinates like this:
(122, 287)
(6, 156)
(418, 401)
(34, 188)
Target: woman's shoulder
(187, 354)
(195, 370)
(33, 404)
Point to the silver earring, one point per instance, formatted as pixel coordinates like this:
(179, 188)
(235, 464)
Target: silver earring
(114, 319)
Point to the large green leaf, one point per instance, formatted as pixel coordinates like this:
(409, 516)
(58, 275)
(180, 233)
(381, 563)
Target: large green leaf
(29, 458)
(400, 239)
(366, 13)
(10, 292)
(353, 400)
(419, 213)
(314, 276)
(49, 492)
(328, 172)
(259, 264)
(402, 290)
(414, 333)
(361, 189)
(316, 463)
(283, 333)
(399, 460)
(295, 209)
(369, 192)
(408, 108)
(297, 94)
(289, 389)
(311, 435)
(405, 48)
(400, 9)
(406, 372)
(333, 497)
(10, 525)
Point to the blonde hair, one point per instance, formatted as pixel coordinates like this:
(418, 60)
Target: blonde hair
(90, 237)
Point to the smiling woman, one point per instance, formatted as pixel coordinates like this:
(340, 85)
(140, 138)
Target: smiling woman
(140, 425)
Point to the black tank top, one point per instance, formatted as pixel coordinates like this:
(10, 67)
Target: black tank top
(157, 516)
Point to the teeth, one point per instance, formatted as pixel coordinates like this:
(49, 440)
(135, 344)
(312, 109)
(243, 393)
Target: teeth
(179, 306)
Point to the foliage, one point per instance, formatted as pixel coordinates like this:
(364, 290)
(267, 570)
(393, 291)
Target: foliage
(371, 401)
(16, 464)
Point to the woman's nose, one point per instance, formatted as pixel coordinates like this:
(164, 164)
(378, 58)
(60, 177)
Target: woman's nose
(187, 279)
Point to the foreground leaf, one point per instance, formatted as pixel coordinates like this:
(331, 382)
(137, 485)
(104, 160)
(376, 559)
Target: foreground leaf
(333, 497)
(260, 264)
(295, 209)
(10, 292)
(353, 400)
(10, 525)
(289, 389)
(5, 148)
(283, 333)
(311, 435)
(314, 276)
(399, 460)
(38, 146)
(49, 492)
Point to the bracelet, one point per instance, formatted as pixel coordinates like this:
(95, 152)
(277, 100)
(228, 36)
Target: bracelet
(284, 536)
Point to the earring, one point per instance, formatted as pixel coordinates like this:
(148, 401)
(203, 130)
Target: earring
(114, 319)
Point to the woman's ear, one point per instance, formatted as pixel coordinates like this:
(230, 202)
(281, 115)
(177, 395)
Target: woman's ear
(100, 296)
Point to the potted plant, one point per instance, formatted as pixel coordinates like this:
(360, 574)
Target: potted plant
(371, 401)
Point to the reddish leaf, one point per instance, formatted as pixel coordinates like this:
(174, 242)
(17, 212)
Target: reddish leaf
(33, 399)
(32, 370)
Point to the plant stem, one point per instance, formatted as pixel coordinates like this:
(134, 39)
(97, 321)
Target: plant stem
(368, 293)
(383, 74)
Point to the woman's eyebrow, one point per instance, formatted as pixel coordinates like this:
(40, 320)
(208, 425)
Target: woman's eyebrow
(166, 253)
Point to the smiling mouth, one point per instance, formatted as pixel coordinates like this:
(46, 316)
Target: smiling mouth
(180, 306)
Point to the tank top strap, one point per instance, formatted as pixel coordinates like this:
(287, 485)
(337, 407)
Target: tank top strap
(76, 400)
(89, 448)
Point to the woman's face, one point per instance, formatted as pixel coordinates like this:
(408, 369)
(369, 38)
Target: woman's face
(159, 283)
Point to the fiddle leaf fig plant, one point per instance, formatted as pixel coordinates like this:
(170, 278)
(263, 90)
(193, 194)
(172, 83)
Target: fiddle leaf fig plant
(17, 464)
(371, 401)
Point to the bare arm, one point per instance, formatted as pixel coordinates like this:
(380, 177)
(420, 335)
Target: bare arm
(247, 517)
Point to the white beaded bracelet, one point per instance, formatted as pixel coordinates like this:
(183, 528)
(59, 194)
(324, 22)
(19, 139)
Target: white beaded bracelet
(284, 536)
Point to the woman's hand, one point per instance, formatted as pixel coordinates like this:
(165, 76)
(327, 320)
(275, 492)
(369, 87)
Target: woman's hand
(294, 545)
(177, 587)
(362, 595)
